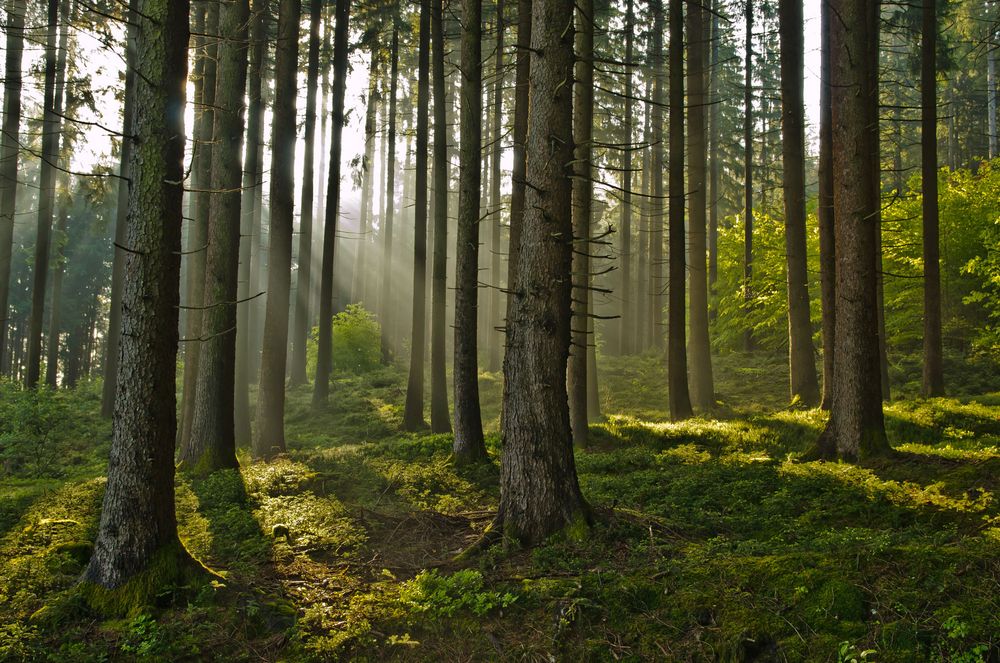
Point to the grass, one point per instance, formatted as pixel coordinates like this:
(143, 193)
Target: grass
(713, 541)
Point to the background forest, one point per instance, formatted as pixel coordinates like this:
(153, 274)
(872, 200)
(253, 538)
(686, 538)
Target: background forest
(505, 330)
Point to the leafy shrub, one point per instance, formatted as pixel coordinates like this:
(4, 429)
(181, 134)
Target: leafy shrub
(31, 423)
(444, 596)
(357, 341)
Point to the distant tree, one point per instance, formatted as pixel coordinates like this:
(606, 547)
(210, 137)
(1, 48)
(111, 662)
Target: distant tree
(385, 296)
(933, 374)
(826, 211)
(494, 315)
(625, 336)
(748, 343)
(655, 329)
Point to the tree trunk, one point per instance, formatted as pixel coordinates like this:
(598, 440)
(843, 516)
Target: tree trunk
(324, 359)
(826, 212)
(469, 445)
(300, 324)
(856, 428)
(249, 231)
(748, 343)
(655, 327)
(201, 170)
(494, 313)
(258, 247)
(270, 437)
(520, 135)
(413, 412)
(539, 491)
(51, 129)
(991, 100)
(625, 335)
(642, 307)
(360, 277)
(213, 438)
(583, 128)
(933, 375)
(803, 384)
(138, 553)
(9, 148)
(713, 162)
(440, 417)
(385, 297)
(700, 347)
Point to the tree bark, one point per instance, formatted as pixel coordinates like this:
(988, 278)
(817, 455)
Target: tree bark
(826, 212)
(324, 346)
(494, 313)
(713, 161)
(301, 324)
(803, 383)
(748, 342)
(270, 438)
(539, 491)
(520, 135)
(385, 297)
(699, 347)
(856, 428)
(138, 553)
(440, 417)
(933, 373)
(360, 277)
(645, 213)
(213, 436)
(9, 149)
(413, 412)
(655, 328)
(625, 325)
(583, 128)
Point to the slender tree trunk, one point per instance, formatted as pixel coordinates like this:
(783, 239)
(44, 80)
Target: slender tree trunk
(440, 417)
(933, 375)
(583, 127)
(803, 384)
(748, 343)
(655, 326)
(856, 428)
(258, 247)
(9, 147)
(360, 276)
(495, 311)
(826, 212)
(413, 412)
(270, 437)
(699, 347)
(385, 298)
(213, 437)
(991, 100)
(324, 359)
(46, 195)
(300, 325)
(201, 171)
(520, 135)
(625, 335)
(539, 491)
(469, 446)
(713, 162)
(138, 553)
(645, 212)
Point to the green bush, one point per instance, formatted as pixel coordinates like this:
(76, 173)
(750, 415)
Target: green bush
(357, 341)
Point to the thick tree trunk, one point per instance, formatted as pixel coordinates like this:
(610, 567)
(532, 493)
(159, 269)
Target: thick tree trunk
(301, 324)
(626, 336)
(469, 445)
(270, 437)
(856, 428)
(9, 148)
(933, 374)
(138, 553)
(803, 383)
(213, 438)
(539, 491)
(51, 130)
(826, 212)
(249, 231)
(440, 417)
(699, 347)
(324, 346)
(413, 412)
(583, 128)
(748, 342)
(678, 397)
(385, 297)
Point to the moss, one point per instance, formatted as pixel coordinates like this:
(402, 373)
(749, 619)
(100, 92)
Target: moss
(172, 569)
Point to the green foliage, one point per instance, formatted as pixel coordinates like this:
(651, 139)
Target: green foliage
(444, 596)
(357, 345)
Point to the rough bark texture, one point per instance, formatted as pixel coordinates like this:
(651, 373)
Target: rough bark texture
(270, 437)
(324, 345)
(933, 375)
(213, 438)
(626, 337)
(51, 126)
(583, 127)
(385, 297)
(856, 428)
(678, 397)
(699, 346)
(803, 383)
(9, 147)
(301, 322)
(440, 417)
(748, 344)
(520, 136)
(469, 445)
(825, 211)
(539, 492)
(655, 329)
(413, 412)
(137, 553)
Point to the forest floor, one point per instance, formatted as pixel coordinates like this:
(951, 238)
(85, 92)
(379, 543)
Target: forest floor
(712, 543)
